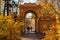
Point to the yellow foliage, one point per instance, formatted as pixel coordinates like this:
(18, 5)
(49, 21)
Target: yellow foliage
(47, 8)
(9, 28)
(59, 11)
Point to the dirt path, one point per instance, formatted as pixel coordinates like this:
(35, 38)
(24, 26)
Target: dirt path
(31, 36)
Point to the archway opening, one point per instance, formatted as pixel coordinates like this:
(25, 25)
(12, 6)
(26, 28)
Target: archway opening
(30, 22)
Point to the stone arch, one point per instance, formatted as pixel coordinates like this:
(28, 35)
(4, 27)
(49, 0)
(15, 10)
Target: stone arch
(26, 8)
(30, 7)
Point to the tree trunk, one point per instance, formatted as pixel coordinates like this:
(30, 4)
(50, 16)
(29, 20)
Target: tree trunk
(7, 7)
(4, 9)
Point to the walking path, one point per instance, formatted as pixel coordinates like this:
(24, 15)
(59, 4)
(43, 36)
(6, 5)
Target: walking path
(31, 36)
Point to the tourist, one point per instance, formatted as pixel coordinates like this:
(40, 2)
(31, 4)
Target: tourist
(28, 29)
(31, 28)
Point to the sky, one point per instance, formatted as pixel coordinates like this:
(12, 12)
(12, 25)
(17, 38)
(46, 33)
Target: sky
(28, 1)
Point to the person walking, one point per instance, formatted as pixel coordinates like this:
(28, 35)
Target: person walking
(31, 28)
(28, 29)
